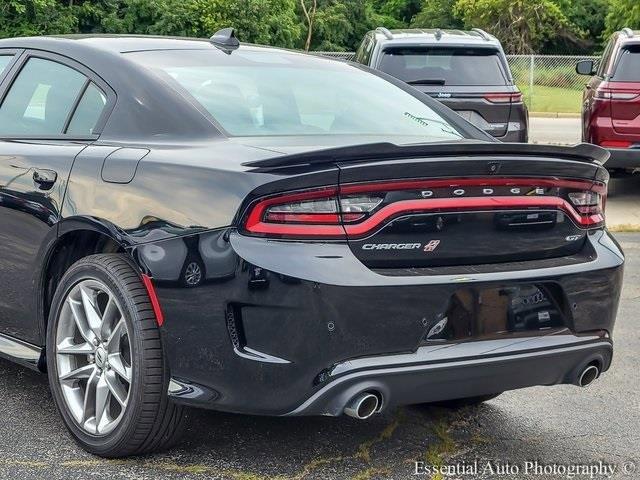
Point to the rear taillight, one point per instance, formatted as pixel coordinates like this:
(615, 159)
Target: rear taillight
(308, 213)
(615, 144)
(587, 202)
(312, 213)
(503, 97)
(608, 94)
(357, 210)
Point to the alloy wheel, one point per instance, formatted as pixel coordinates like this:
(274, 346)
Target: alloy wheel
(93, 357)
(193, 274)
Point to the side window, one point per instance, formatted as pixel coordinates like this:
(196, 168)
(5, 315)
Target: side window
(5, 60)
(40, 99)
(88, 111)
(604, 60)
(368, 48)
(364, 51)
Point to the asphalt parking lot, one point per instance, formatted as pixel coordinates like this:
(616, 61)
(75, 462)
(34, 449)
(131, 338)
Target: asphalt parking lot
(557, 425)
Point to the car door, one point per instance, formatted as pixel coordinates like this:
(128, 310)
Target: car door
(50, 109)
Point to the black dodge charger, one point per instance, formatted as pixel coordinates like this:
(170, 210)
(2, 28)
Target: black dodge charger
(248, 229)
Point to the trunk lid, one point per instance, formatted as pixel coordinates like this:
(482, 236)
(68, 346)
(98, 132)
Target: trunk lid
(459, 204)
(625, 107)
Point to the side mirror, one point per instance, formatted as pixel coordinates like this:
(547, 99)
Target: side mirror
(585, 67)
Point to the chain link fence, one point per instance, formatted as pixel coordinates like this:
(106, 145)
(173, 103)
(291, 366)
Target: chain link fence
(549, 83)
(339, 55)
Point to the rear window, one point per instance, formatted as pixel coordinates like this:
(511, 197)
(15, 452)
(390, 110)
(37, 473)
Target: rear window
(269, 93)
(628, 68)
(444, 65)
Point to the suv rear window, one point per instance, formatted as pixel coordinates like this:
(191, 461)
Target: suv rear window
(444, 65)
(628, 68)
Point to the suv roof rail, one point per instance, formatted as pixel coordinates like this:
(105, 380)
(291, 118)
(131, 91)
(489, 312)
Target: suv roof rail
(225, 40)
(386, 32)
(628, 32)
(482, 33)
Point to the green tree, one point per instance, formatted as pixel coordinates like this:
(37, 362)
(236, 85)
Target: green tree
(523, 26)
(341, 24)
(259, 21)
(399, 12)
(622, 13)
(35, 17)
(437, 14)
(587, 18)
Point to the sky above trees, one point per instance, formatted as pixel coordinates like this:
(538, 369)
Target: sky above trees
(523, 26)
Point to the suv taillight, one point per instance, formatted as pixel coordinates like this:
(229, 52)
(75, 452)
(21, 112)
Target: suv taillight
(608, 94)
(503, 97)
(357, 210)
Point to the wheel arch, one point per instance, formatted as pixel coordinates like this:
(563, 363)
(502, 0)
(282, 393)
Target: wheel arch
(76, 238)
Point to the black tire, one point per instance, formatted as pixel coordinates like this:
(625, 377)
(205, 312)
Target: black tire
(150, 421)
(463, 402)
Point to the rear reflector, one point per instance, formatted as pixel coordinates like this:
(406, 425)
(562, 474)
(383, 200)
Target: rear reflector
(357, 210)
(153, 298)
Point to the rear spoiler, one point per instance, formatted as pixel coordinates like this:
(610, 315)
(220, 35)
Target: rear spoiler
(582, 152)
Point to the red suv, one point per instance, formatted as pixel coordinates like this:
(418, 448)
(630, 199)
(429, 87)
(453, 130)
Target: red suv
(611, 101)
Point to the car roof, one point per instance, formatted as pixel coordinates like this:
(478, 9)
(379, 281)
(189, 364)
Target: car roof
(112, 43)
(438, 36)
(626, 36)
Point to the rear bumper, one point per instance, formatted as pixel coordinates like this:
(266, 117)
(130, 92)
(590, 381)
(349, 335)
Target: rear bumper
(623, 159)
(417, 378)
(518, 133)
(316, 325)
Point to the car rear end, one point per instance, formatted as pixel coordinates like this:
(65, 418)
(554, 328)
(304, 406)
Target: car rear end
(419, 274)
(474, 81)
(615, 116)
(435, 265)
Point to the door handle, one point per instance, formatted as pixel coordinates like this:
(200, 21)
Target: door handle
(44, 178)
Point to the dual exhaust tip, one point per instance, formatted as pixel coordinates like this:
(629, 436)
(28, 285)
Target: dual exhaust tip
(588, 375)
(363, 406)
(367, 404)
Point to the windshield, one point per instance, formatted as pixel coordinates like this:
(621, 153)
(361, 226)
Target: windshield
(628, 69)
(444, 65)
(270, 92)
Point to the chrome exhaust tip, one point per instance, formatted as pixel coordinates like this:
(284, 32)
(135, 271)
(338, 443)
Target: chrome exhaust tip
(588, 375)
(363, 406)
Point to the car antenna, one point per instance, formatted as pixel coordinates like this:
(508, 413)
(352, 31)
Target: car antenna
(225, 40)
(438, 34)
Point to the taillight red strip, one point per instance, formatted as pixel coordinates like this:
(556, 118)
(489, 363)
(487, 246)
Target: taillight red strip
(471, 203)
(287, 229)
(336, 226)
